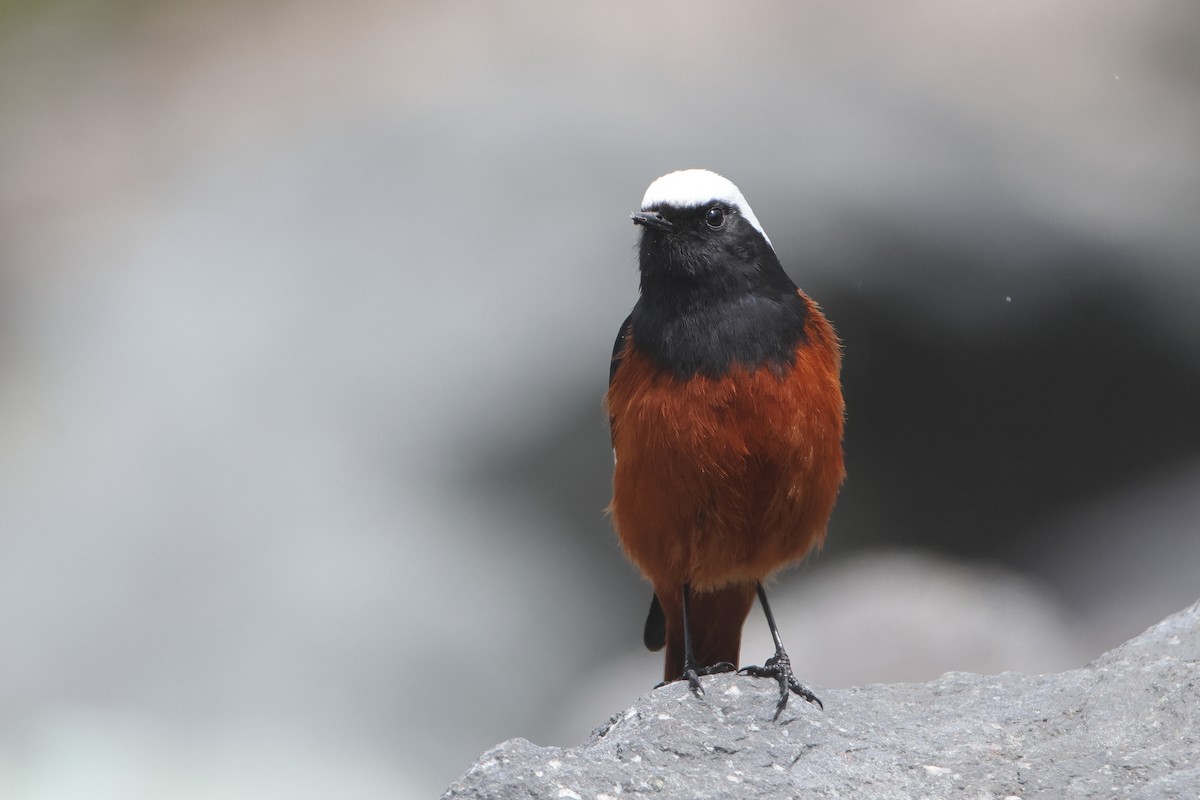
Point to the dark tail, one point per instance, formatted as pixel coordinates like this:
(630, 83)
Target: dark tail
(655, 632)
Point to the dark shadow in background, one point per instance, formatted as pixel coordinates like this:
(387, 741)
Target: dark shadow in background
(963, 441)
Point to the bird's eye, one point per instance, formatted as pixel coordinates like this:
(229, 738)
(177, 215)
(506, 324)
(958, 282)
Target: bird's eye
(715, 217)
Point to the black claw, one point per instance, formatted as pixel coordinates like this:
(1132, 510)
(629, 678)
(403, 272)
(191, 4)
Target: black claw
(779, 667)
(692, 674)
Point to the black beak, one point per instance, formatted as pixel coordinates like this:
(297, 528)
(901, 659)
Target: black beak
(652, 220)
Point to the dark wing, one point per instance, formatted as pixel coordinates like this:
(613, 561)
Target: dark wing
(619, 348)
(617, 355)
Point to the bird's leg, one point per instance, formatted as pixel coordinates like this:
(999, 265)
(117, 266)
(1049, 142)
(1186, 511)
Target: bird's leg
(691, 670)
(779, 666)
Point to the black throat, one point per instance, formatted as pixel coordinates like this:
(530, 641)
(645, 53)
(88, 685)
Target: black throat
(705, 316)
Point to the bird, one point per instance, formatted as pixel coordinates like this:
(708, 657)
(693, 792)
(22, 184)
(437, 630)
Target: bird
(726, 414)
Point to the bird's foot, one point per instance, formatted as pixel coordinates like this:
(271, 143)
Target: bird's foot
(692, 673)
(779, 667)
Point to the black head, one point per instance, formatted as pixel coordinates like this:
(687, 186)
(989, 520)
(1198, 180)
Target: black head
(713, 290)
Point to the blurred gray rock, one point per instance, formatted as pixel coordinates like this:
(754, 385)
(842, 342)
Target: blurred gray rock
(1126, 725)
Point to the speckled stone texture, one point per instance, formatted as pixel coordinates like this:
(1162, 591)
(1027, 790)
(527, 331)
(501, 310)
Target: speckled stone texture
(1126, 725)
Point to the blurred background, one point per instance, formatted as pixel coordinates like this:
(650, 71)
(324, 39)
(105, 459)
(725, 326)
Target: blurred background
(305, 318)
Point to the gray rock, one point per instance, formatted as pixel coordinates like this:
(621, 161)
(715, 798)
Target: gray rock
(1126, 725)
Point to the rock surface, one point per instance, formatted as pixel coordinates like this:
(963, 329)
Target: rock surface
(1126, 725)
